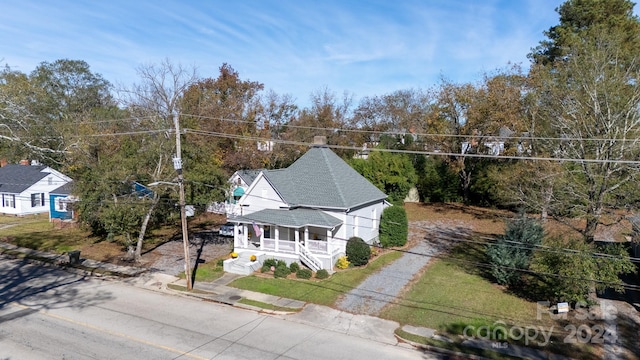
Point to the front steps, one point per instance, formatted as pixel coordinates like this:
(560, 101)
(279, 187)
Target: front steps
(242, 265)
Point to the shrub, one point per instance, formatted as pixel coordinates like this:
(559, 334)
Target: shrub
(374, 251)
(281, 271)
(265, 268)
(270, 262)
(281, 263)
(294, 267)
(322, 274)
(342, 262)
(506, 258)
(358, 251)
(303, 273)
(394, 227)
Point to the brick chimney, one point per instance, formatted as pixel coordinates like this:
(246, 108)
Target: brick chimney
(24, 162)
(3, 162)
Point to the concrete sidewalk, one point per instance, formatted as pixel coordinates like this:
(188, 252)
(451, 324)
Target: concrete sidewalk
(218, 291)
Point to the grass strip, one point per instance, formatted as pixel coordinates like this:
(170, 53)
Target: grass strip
(266, 306)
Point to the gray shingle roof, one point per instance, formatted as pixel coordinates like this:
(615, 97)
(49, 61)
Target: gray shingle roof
(63, 190)
(18, 178)
(320, 178)
(248, 175)
(295, 218)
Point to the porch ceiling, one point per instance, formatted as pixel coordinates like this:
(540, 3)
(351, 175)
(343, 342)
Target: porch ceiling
(295, 218)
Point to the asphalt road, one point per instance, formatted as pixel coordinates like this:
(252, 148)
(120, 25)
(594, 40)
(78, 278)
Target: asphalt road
(48, 313)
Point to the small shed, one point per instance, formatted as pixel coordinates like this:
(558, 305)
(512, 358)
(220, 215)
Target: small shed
(61, 203)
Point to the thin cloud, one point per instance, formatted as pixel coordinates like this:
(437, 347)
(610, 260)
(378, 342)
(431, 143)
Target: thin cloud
(366, 48)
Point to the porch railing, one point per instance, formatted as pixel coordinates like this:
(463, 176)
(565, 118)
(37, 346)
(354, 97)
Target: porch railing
(308, 258)
(317, 246)
(283, 245)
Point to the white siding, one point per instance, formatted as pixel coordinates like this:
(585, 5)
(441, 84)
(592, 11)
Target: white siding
(23, 200)
(364, 222)
(261, 195)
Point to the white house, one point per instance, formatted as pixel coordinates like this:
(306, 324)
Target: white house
(238, 183)
(25, 189)
(305, 213)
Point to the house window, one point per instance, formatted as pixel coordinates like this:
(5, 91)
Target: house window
(37, 200)
(374, 219)
(50, 180)
(8, 200)
(267, 232)
(61, 205)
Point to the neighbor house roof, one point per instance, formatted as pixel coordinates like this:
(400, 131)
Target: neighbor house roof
(63, 190)
(248, 175)
(18, 178)
(295, 218)
(321, 179)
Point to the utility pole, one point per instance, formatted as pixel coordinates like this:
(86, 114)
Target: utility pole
(177, 164)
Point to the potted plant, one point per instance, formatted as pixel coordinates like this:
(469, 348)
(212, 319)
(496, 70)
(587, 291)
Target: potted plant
(234, 255)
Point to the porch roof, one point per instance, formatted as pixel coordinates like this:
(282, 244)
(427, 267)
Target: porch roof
(295, 218)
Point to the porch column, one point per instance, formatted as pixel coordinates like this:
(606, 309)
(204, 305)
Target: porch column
(296, 236)
(329, 238)
(261, 237)
(306, 235)
(276, 236)
(236, 239)
(245, 237)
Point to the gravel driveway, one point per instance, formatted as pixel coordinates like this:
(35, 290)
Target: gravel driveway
(383, 287)
(168, 258)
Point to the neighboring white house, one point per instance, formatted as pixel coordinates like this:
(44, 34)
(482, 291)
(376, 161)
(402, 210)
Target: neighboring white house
(24, 188)
(305, 213)
(238, 183)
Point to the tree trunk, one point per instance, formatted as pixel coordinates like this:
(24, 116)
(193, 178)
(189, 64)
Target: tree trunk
(590, 228)
(465, 182)
(546, 202)
(143, 228)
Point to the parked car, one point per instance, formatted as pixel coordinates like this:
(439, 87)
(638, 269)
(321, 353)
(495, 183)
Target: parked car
(226, 230)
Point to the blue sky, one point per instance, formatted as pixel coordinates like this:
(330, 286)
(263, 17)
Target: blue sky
(365, 48)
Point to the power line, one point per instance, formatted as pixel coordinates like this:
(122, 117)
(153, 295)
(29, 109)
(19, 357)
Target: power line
(372, 132)
(415, 152)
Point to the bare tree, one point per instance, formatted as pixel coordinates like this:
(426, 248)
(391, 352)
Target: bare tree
(592, 104)
(154, 101)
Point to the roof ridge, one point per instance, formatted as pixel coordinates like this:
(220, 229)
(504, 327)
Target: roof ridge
(325, 155)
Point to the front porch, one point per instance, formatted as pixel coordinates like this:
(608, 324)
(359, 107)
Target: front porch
(315, 247)
(294, 235)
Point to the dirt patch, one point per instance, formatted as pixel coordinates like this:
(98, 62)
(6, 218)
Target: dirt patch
(168, 257)
(103, 251)
(491, 222)
(485, 221)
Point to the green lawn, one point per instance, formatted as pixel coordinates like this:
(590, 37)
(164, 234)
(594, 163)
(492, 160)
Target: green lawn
(206, 272)
(447, 294)
(36, 232)
(323, 292)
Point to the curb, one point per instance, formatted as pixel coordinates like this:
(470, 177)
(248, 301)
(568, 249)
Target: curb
(451, 353)
(214, 297)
